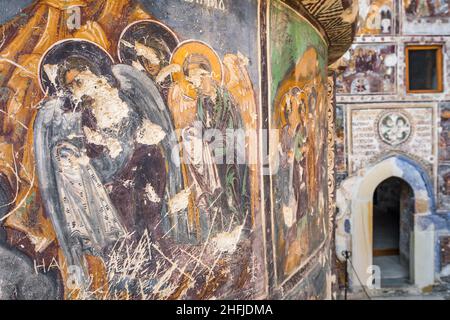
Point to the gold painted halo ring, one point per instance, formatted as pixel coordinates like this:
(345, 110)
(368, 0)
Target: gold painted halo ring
(195, 52)
(80, 51)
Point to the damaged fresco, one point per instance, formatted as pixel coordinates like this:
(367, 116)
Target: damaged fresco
(132, 149)
(378, 131)
(444, 187)
(424, 17)
(444, 158)
(100, 125)
(370, 69)
(341, 161)
(376, 17)
(299, 112)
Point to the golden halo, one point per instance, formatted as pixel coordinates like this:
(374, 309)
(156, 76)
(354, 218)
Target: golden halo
(188, 48)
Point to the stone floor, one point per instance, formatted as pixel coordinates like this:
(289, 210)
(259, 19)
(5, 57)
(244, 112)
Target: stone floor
(391, 268)
(395, 285)
(405, 292)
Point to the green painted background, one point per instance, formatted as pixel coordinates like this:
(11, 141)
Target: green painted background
(290, 36)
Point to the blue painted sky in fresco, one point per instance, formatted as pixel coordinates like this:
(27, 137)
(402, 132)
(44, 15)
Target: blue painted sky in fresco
(9, 8)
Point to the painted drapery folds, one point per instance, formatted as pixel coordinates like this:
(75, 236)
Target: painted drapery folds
(130, 165)
(376, 17)
(426, 9)
(116, 124)
(298, 57)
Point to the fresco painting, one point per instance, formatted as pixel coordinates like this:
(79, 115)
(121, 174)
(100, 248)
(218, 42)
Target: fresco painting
(426, 9)
(132, 156)
(444, 157)
(444, 139)
(370, 69)
(341, 159)
(376, 17)
(109, 189)
(298, 92)
(444, 187)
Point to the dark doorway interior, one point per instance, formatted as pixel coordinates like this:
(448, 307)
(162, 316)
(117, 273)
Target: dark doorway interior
(393, 213)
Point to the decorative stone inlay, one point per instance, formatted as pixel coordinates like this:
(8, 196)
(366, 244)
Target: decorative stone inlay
(394, 128)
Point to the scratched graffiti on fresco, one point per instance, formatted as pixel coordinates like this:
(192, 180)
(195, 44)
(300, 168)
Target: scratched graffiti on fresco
(99, 187)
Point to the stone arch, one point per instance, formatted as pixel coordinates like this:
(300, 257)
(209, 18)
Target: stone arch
(422, 247)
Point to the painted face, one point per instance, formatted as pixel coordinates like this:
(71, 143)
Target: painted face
(151, 58)
(198, 72)
(197, 75)
(85, 83)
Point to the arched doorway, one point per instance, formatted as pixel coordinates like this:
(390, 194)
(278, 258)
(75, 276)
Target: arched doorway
(393, 226)
(422, 240)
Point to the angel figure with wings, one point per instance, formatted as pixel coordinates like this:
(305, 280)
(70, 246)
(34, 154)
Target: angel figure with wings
(102, 152)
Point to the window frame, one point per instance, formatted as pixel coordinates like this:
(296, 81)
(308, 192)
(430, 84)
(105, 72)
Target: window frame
(439, 68)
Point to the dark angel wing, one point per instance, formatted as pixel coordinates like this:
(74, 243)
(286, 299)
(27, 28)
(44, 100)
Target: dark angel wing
(140, 92)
